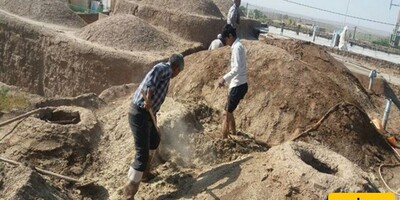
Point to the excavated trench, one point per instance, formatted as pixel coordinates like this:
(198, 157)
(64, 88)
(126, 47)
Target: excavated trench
(60, 117)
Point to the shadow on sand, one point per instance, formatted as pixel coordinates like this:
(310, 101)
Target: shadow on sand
(216, 178)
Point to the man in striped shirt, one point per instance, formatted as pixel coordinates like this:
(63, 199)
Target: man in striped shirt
(154, 87)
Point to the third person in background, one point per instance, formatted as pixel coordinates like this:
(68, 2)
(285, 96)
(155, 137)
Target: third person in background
(233, 17)
(217, 43)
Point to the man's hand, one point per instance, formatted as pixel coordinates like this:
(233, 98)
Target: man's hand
(147, 104)
(147, 99)
(221, 83)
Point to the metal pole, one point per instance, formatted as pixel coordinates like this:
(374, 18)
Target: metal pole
(372, 76)
(347, 10)
(314, 33)
(371, 81)
(247, 10)
(386, 113)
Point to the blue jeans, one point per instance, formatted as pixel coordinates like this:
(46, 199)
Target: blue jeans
(145, 136)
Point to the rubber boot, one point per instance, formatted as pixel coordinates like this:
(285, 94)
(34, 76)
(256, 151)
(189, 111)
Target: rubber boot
(147, 175)
(131, 189)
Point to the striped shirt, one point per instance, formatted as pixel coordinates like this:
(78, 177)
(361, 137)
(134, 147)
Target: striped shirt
(157, 79)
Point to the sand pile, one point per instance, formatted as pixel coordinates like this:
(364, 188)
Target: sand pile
(347, 130)
(49, 11)
(304, 171)
(285, 94)
(24, 183)
(200, 7)
(57, 138)
(225, 5)
(128, 32)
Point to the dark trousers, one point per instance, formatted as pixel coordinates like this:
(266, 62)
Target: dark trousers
(145, 136)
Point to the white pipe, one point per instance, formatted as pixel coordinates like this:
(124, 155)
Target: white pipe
(386, 113)
(372, 76)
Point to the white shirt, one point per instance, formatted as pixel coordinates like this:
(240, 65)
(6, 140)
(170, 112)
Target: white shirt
(232, 16)
(217, 43)
(238, 74)
(342, 40)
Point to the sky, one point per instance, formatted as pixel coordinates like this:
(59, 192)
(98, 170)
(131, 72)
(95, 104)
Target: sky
(371, 9)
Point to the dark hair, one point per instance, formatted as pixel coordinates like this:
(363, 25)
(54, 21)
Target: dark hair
(177, 59)
(228, 29)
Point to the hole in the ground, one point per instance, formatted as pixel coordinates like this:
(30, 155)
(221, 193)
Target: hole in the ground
(61, 117)
(309, 159)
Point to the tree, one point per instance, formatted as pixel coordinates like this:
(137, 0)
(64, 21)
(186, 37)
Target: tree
(258, 14)
(243, 9)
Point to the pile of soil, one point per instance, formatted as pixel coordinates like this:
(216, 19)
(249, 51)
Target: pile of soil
(288, 90)
(305, 171)
(59, 139)
(24, 183)
(129, 33)
(49, 11)
(225, 5)
(200, 7)
(347, 130)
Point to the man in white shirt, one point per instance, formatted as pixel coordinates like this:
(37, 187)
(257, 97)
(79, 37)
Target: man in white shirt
(342, 40)
(236, 77)
(217, 43)
(233, 14)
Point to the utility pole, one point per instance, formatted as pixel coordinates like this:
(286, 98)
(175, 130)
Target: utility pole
(247, 10)
(354, 34)
(396, 28)
(347, 10)
(395, 32)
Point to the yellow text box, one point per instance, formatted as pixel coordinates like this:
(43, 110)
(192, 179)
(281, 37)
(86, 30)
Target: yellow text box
(361, 196)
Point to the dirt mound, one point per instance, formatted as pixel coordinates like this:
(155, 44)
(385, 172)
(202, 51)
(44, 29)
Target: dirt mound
(24, 183)
(304, 171)
(225, 5)
(129, 33)
(49, 11)
(119, 91)
(185, 136)
(200, 7)
(347, 130)
(287, 90)
(59, 139)
(90, 100)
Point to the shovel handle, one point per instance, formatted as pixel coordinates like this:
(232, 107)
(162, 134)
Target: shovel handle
(151, 113)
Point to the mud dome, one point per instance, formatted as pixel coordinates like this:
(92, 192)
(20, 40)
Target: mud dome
(57, 138)
(307, 172)
(130, 33)
(50, 11)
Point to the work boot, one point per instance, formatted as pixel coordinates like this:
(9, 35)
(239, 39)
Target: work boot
(130, 190)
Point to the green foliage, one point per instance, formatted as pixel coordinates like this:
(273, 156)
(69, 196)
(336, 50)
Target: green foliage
(258, 14)
(3, 92)
(9, 101)
(381, 42)
(243, 9)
